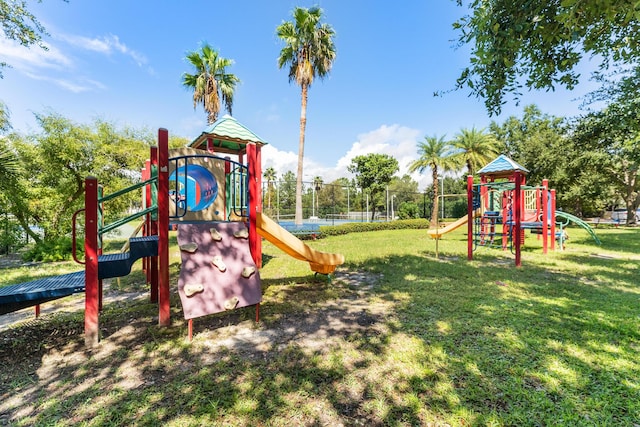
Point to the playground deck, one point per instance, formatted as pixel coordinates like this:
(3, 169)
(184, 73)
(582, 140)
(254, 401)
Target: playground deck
(28, 294)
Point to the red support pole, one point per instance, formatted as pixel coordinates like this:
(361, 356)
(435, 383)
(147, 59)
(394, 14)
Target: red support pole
(91, 326)
(517, 216)
(552, 217)
(37, 310)
(153, 230)
(254, 197)
(164, 315)
(545, 215)
(470, 218)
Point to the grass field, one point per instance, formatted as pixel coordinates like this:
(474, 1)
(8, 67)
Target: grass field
(399, 338)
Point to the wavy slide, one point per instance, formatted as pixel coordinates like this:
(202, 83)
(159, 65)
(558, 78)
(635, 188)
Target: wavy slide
(320, 262)
(437, 233)
(579, 222)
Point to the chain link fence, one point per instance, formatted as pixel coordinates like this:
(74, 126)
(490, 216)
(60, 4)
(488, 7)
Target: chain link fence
(332, 204)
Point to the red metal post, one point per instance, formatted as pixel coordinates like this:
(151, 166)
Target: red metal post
(552, 217)
(517, 216)
(153, 230)
(470, 218)
(253, 204)
(91, 326)
(164, 315)
(545, 215)
(37, 310)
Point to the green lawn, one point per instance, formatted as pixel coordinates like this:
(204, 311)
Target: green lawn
(423, 341)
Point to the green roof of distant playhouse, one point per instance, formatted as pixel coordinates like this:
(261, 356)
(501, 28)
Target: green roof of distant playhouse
(227, 135)
(502, 166)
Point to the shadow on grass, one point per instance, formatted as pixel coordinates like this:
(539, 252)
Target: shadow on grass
(471, 343)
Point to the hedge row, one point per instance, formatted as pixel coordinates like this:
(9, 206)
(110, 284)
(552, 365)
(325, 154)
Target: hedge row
(359, 227)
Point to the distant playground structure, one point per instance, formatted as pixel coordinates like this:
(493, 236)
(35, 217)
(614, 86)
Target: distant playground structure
(215, 204)
(502, 206)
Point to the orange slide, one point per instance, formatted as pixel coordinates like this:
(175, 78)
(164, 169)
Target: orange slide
(320, 262)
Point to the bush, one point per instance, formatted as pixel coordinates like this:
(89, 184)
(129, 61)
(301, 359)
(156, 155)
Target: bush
(11, 236)
(359, 227)
(52, 250)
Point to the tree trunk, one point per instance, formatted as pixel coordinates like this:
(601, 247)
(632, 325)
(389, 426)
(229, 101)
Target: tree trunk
(434, 211)
(303, 125)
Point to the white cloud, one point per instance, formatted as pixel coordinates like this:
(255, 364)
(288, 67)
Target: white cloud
(28, 59)
(106, 45)
(397, 141)
(76, 86)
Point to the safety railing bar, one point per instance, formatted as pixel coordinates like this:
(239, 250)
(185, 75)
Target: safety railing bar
(127, 190)
(122, 221)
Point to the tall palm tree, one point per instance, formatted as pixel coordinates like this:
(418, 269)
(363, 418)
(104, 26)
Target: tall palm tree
(309, 52)
(210, 82)
(476, 148)
(269, 175)
(436, 154)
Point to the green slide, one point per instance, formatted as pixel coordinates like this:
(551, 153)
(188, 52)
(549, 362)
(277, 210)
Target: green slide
(580, 222)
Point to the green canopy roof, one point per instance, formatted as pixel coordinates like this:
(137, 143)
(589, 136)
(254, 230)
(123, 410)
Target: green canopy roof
(227, 135)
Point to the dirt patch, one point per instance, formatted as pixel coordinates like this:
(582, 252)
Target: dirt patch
(315, 328)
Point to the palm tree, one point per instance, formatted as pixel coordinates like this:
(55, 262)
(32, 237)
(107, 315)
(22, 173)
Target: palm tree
(309, 52)
(270, 176)
(477, 148)
(435, 153)
(210, 83)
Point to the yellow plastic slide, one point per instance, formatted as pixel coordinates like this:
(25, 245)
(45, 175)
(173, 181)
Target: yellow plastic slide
(320, 262)
(437, 233)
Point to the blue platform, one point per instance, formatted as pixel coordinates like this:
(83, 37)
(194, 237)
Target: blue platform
(23, 295)
(28, 294)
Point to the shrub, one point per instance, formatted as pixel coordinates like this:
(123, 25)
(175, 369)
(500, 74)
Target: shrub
(52, 250)
(359, 227)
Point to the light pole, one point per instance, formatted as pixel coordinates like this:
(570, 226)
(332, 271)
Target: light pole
(392, 214)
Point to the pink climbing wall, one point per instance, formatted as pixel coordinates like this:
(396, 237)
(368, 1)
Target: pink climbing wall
(212, 290)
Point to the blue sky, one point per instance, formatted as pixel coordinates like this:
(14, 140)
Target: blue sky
(122, 61)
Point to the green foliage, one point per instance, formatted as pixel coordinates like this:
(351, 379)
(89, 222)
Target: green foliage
(476, 148)
(52, 250)
(439, 156)
(373, 173)
(53, 164)
(5, 123)
(20, 25)
(408, 210)
(359, 227)
(11, 235)
(211, 83)
(309, 50)
(539, 43)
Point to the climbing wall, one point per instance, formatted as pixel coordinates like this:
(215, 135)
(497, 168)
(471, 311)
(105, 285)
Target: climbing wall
(218, 272)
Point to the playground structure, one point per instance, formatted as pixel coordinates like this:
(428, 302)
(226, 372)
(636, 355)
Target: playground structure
(503, 207)
(215, 204)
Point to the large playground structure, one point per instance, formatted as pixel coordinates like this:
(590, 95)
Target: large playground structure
(215, 204)
(501, 207)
